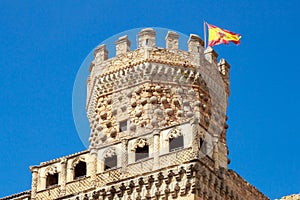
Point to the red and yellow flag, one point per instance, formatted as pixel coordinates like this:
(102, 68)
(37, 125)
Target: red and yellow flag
(217, 36)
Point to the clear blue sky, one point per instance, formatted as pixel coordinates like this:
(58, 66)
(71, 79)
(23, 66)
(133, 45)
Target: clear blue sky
(43, 43)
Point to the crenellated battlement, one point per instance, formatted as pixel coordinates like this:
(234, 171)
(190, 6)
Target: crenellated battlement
(148, 51)
(126, 61)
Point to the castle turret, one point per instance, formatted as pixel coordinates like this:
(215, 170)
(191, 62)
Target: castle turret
(158, 91)
(157, 128)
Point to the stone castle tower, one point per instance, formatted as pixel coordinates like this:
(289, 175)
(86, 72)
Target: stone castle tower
(158, 129)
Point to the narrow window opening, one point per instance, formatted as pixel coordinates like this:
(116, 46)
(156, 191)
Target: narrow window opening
(80, 170)
(110, 162)
(123, 126)
(203, 146)
(141, 153)
(52, 179)
(201, 142)
(147, 42)
(176, 143)
(198, 48)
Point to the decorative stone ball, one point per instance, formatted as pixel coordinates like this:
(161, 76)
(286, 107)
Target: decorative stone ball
(103, 115)
(133, 103)
(99, 128)
(179, 113)
(164, 100)
(158, 112)
(189, 114)
(179, 90)
(158, 88)
(154, 122)
(197, 103)
(143, 101)
(132, 127)
(109, 101)
(176, 102)
(138, 112)
(153, 99)
(186, 102)
(191, 92)
(169, 111)
(114, 112)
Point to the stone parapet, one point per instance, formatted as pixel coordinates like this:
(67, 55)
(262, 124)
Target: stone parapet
(193, 180)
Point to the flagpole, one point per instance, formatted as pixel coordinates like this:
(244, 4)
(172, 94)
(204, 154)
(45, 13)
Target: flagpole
(204, 25)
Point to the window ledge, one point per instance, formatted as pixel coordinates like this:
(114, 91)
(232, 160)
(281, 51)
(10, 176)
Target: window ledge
(175, 151)
(111, 169)
(140, 161)
(79, 177)
(49, 188)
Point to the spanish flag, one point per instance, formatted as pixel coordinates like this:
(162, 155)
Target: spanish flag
(217, 36)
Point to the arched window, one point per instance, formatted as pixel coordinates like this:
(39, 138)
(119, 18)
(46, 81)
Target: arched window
(176, 143)
(80, 170)
(52, 179)
(203, 146)
(110, 162)
(141, 152)
(175, 139)
(141, 148)
(110, 158)
(201, 142)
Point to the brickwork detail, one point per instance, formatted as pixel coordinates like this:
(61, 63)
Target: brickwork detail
(51, 193)
(176, 158)
(108, 177)
(78, 186)
(140, 167)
